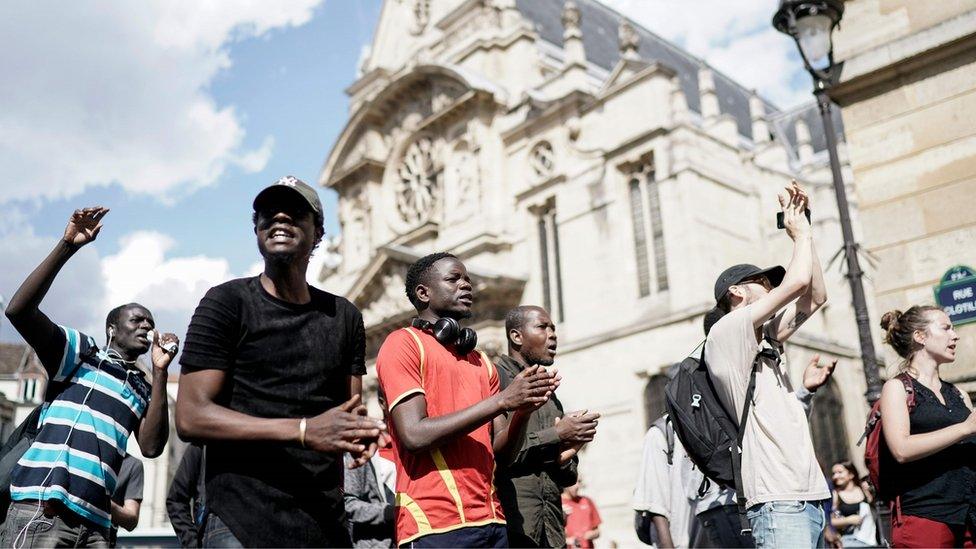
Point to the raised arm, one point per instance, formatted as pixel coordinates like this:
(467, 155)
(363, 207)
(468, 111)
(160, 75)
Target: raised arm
(23, 310)
(799, 272)
(790, 320)
(153, 430)
(905, 446)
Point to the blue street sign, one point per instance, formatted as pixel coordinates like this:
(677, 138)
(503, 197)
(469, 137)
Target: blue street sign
(956, 294)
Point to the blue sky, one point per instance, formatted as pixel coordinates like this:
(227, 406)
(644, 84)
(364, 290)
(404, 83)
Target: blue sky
(288, 85)
(175, 113)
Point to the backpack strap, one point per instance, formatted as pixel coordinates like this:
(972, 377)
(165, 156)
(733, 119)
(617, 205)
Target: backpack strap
(669, 437)
(737, 451)
(906, 381)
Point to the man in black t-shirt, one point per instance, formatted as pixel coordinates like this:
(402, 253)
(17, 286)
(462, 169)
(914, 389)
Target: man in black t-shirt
(271, 384)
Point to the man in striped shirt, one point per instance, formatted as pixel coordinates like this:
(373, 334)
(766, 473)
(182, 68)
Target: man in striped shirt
(61, 488)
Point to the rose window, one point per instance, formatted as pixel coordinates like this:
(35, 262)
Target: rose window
(416, 186)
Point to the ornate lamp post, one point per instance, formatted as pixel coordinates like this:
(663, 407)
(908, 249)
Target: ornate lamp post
(811, 25)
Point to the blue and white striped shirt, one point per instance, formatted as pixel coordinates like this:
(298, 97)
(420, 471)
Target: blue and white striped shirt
(83, 432)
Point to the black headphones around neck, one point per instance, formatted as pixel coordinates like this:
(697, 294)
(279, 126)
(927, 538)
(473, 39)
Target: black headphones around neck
(448, 331)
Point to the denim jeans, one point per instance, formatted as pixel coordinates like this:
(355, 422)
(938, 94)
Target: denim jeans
(27, 526)
(787, 524)
(217, 534)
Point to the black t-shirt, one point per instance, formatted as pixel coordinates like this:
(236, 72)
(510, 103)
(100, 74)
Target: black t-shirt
(282, 361)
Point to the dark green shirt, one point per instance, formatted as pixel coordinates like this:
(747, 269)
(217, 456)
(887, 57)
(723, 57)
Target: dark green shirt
(530, 488)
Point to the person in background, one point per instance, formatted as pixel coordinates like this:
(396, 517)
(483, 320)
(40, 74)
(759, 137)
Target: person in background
(370, 497)
(186, 500)
(582, 519)
(530, 487)
(851, 515)
(127, 497)
(933, 445)
(664, 497)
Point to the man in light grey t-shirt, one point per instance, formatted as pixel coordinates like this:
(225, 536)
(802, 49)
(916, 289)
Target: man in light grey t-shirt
(782, 481)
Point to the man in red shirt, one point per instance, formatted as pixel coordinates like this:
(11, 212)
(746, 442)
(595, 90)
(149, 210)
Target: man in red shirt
(582, 519)
(444, 402)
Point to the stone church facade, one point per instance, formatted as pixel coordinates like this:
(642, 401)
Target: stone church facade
(577, 161)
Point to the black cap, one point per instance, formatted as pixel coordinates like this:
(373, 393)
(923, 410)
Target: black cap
(737, 273)
(290, 183)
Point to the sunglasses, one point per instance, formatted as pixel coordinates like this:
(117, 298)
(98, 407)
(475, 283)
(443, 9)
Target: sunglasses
(761, 280)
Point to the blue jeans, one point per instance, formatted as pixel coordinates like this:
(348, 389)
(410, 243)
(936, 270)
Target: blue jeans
(217, 534)
(787, 524)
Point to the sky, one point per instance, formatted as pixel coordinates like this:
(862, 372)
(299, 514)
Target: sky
(174, 113)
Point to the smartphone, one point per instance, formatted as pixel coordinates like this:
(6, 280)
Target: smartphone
(779, 218)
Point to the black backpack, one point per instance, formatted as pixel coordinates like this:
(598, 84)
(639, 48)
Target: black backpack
(706, 429)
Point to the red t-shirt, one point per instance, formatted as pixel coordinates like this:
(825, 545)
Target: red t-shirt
(452, 486)
(581, 516)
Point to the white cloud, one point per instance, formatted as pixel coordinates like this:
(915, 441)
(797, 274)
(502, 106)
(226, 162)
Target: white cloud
(737, 38)
(77, 295)
(142, 272)
(119, 92)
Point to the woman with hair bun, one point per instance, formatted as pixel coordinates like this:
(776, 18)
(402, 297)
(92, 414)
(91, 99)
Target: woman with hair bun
(935, 487)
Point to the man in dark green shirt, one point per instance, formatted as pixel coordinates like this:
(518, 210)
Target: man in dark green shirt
(529, 487)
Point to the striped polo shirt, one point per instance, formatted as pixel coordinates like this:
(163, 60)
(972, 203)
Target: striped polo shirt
(83, 432)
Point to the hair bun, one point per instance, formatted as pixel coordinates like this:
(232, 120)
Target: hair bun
(889, 321)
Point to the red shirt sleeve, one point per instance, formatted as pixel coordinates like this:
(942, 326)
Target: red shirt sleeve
(493, 379)
(399, 367)
(594, 516)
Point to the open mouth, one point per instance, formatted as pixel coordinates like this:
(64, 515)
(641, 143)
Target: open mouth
(280, 234)
(467, 299)
(143, 338)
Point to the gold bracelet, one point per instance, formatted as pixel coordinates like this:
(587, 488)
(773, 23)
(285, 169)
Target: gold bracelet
(302, 425)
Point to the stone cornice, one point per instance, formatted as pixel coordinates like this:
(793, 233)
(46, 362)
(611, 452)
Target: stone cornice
(873, 71)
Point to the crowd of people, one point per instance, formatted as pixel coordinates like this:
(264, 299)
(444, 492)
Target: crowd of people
(469, 451)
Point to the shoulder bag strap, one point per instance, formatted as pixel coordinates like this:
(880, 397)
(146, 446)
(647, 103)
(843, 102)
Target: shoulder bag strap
(906, 381)
(737, 451)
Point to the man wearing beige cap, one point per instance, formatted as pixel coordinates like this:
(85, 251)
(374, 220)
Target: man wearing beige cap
(271, 384)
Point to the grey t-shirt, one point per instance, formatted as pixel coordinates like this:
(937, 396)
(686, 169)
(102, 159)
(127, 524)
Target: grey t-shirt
(778, 460)
(131, 479)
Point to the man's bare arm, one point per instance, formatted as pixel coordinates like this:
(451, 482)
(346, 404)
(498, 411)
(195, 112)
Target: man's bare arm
(200, 417)
(789, 321)
(799, 272)
(127, 515)
(418, 432)
(23, 310)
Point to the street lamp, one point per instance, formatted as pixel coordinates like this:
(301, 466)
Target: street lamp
(811, 25)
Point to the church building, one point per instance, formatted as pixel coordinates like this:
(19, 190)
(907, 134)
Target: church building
(575, 160)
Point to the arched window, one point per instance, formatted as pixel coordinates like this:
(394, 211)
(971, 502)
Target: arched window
(827, 426)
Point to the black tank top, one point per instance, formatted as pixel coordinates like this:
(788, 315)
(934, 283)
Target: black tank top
(848, 509)
(940, 487)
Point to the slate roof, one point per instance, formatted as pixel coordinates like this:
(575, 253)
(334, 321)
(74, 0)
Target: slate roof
(12, 355)
(599, 26)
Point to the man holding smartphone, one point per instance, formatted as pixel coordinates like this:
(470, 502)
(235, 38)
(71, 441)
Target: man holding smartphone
(760, 309)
